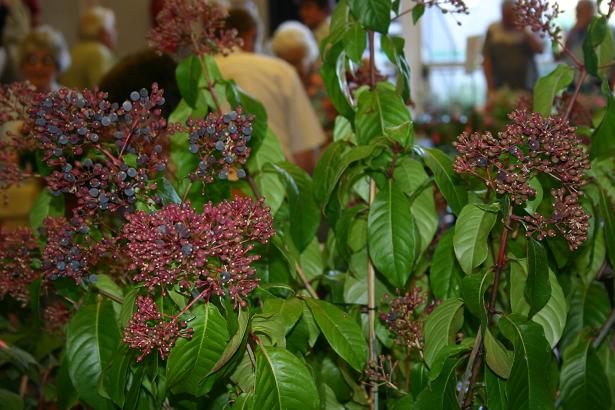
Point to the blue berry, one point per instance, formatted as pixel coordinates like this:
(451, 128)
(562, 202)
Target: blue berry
(101, 105)
(68, 168)
(232, 128)
(106, 121)
(241, 173)
(220, 145)
(63, 140)
(61, 265)
(40, 122)
(122, 176)
(57, 152)
(75, 265)
(247, 130)
(129, 192)
(94, 137)
(157, 149)
(95, 183)
(161, 167)
(88, 163)
(64, 241)
(194, 148)
(84, 229)
(82, 131)
(132, 172)
(127, 106)
(229, 159)
(223, 175)
(92, 278)
(187, 249)
(135, 95)
(93, 192)
(143, 92)
(202, 165)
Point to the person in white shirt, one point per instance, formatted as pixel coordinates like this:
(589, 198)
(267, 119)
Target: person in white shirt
(277, 86)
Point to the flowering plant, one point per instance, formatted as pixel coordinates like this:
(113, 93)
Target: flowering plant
(180, 262)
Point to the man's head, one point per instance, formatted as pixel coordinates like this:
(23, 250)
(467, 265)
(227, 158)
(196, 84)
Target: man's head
(98, 24)
(508, 14)
(586, 9)
(246, 25)
(314, 12)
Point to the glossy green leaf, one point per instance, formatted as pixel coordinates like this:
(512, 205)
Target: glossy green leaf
(268, 184)
(355, 42)
(448, 182)
(607, 359)
(283, 382)
(547, 87)
(497, 398)
(92, 337)
(583, 382)
(537, 287)
(10, 400)
(341, 331)
(447, 352)
(382, 112)
(115, 375)
(393, 48)
(45, 204)
(289, 309)
(528, 384)
(373, 15)
(188, 75)
(233, 345)
(602, 141)
(470, 239)
(607, 212)
(552, 317)
(596, 33)
(473, 289)
(304, 213)
(333, 73)
(410, 176)
(445, 273)
(532, 204)
(391, 235)
(417, 12)
(589, 307)
(441, 327)
(441, 394)
(191, 360)
(498, 358)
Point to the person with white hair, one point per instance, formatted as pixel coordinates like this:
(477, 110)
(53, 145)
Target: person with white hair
(42, 57)
(92, 56)
(294, 43)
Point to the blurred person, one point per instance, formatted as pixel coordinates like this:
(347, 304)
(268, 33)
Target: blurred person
(316, 15)
(141, 70)
(585, 11)
(43, 56)
(16, 26)
(277, 86)
(92, 56)
(508, 54)
(293, 42)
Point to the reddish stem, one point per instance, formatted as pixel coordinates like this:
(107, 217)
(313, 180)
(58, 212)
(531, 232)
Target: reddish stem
(577, 90)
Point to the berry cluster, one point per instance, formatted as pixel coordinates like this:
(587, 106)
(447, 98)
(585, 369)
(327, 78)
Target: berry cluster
(102, 152)
(55, 316)
(539, 16)
(178, 32)
(17, 250)
(208, 252)
(447, 6)
(148, 329)
(221, 142)
(405, 318)
(70, 252)
(15, 99)
(381, 371)
(530, 145)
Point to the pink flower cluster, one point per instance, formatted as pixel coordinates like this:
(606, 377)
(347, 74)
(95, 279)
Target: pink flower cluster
(17, 250)
(208, 252)
(531, 145)
(148, 329)
(221, 142)
(539, 16)
(192, 27)
(102, 152)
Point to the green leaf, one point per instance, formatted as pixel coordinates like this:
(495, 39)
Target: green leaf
(441, 327)
(235, 342)
(417, 12)
(497, 399)
(589, 307)
(355, 41)
(304, 213)
(67, 396)
(552, 317)
(10, 400)
(441, 393)
(528, 384)
(583, 382)
(91, 338)
(547, 87)
(382, 112)
(608, 216)
(596, 33)
(393, 47)
(607, 358)
(448, 182)
(391, 235)
(602, 141)
(268, 184)
(473, 289)
(532, 205)
(45, 205)
(341, 331)
(373, 15)
(498, 358)
(470, 239)
(410, 176)
(290, 310)
(447, 352)
(114, 376)
(333, 73)
(445, 273)
(537, 287)
(188, 75)
(191, 360)
(283, 382)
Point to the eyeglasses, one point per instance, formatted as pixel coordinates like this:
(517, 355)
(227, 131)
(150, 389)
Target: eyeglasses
(45, 60)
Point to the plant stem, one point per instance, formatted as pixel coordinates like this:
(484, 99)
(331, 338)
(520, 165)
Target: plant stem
(476, 350)
(475, 361)
(189, 305)
(186, 192)
(252, 183)
(371, 272)
(210, 84)
(305, 281)
(577, 90)
(111, 296)
(604, 330)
